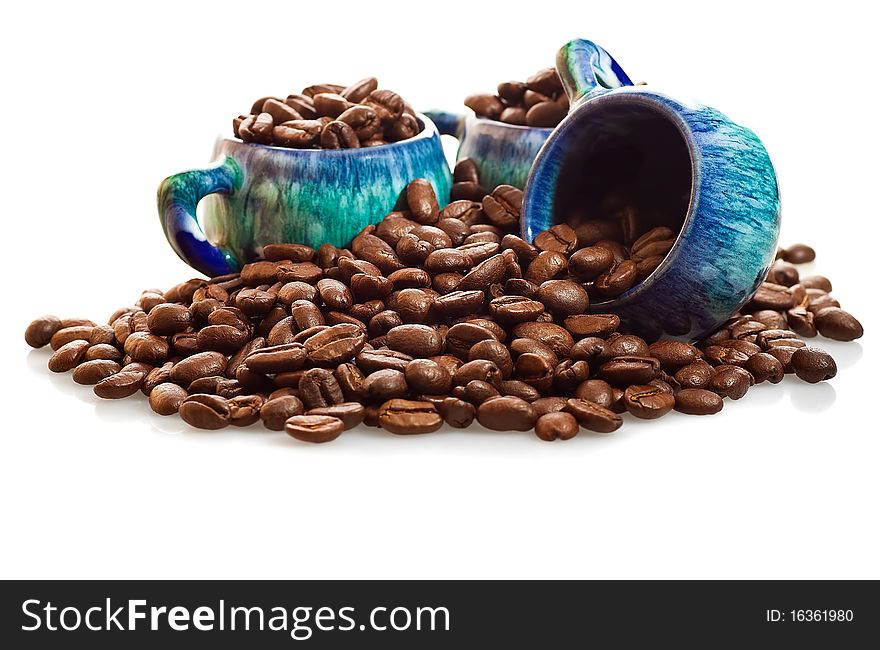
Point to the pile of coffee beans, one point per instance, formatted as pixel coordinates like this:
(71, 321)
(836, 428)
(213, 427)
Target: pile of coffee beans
(330, 116)
(437, 316)
(539, 101)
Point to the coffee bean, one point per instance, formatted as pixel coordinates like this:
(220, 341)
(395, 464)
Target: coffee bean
(350, 413)
(563, 297)
(545, 114)
(91, 372)
(811, 364)
(278, 358)
(314, 428)
(68, 355)
(41, 330)
(558, 425)
(835, 323)
(422, 201)
(428, 377)
(698, 401)
(619, 278)
(559, 340)
(319, 387)
(65, 335)
(593, 417)
(165, 399)
(383, 385)
(257, 128)
(205, 411)
(203, 364)
(121, 384)
(415, 340)
(335, 344)
(673, 355)
(695, 375)
(457, 413)
(648, 402)
(403, 417)
(730, 381)
(275, 412)
(799, 254)
(506, 414)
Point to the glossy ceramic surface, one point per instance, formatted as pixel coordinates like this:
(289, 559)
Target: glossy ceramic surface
(728, 238)
(504, 153)
(258, 194)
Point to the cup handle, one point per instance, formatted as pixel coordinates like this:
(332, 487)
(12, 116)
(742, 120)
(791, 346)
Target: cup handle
(585, 68)
(177, 198)
(447, 122)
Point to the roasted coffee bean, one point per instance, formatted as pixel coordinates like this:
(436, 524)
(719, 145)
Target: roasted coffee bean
(545, 405)
(120, 385)
(556, 337)
(335, 344)
(314, 427)
(461, 337)
(765, 367)
(647, 401)
(730, 381)
(477, 392)
(835, 323)
(244, 410)
(695, 375)
(563, 297)
(624, 371)
(205, 411)
(169, 318)
(165, 399)
(318, 387)
(810, 364)
(722, 355)
(799, 254)
(506, 414)
(350, 413)
(279, 111)
(569, 374)
(422, 201)
(415, 340)
(383, 385)
(592, 325)
(91, 372)
(485, 105)
(560, 238)
(673, 355)
(41, 330)
(203, 364)
(279, 358)
(147, 348)
(698, 401)
(275, 412)
(257, 128)
(363, 120)
(548, 265)
(597, 391)
(222, 386)
(457, 413)
(428, 377)
(65, 335)
(102, 351)
(557, 425)
(360, 90)
(545, 114)
(592, 416)
(68, 355)
(619, 278)
(403, 417)
(493, 351)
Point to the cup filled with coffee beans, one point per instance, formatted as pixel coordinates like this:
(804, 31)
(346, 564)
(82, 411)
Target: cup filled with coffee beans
(312, 168)
(507, 128)
(674, 207)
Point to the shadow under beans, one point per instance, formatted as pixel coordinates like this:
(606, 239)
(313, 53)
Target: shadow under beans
(846, 353)
(812, 398)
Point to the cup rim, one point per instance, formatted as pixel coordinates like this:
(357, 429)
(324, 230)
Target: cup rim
(473, 117)
(429, 130)
(647, 98)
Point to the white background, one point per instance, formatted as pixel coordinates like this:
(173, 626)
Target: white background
(99, 103)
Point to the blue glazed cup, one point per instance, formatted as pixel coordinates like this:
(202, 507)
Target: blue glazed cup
(719, 170)
(504, 153)
(257, 194)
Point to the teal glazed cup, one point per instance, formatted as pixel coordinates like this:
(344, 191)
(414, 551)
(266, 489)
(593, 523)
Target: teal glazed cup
(665, 149)
(254, 194)
(504, 153)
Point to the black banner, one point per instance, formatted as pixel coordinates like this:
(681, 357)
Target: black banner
(435, 614)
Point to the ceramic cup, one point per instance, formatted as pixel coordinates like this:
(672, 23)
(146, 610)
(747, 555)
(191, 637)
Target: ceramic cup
(668, 151)
(256, 194)
(504, 153)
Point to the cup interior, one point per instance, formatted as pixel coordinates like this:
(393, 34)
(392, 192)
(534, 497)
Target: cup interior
(626, 162)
